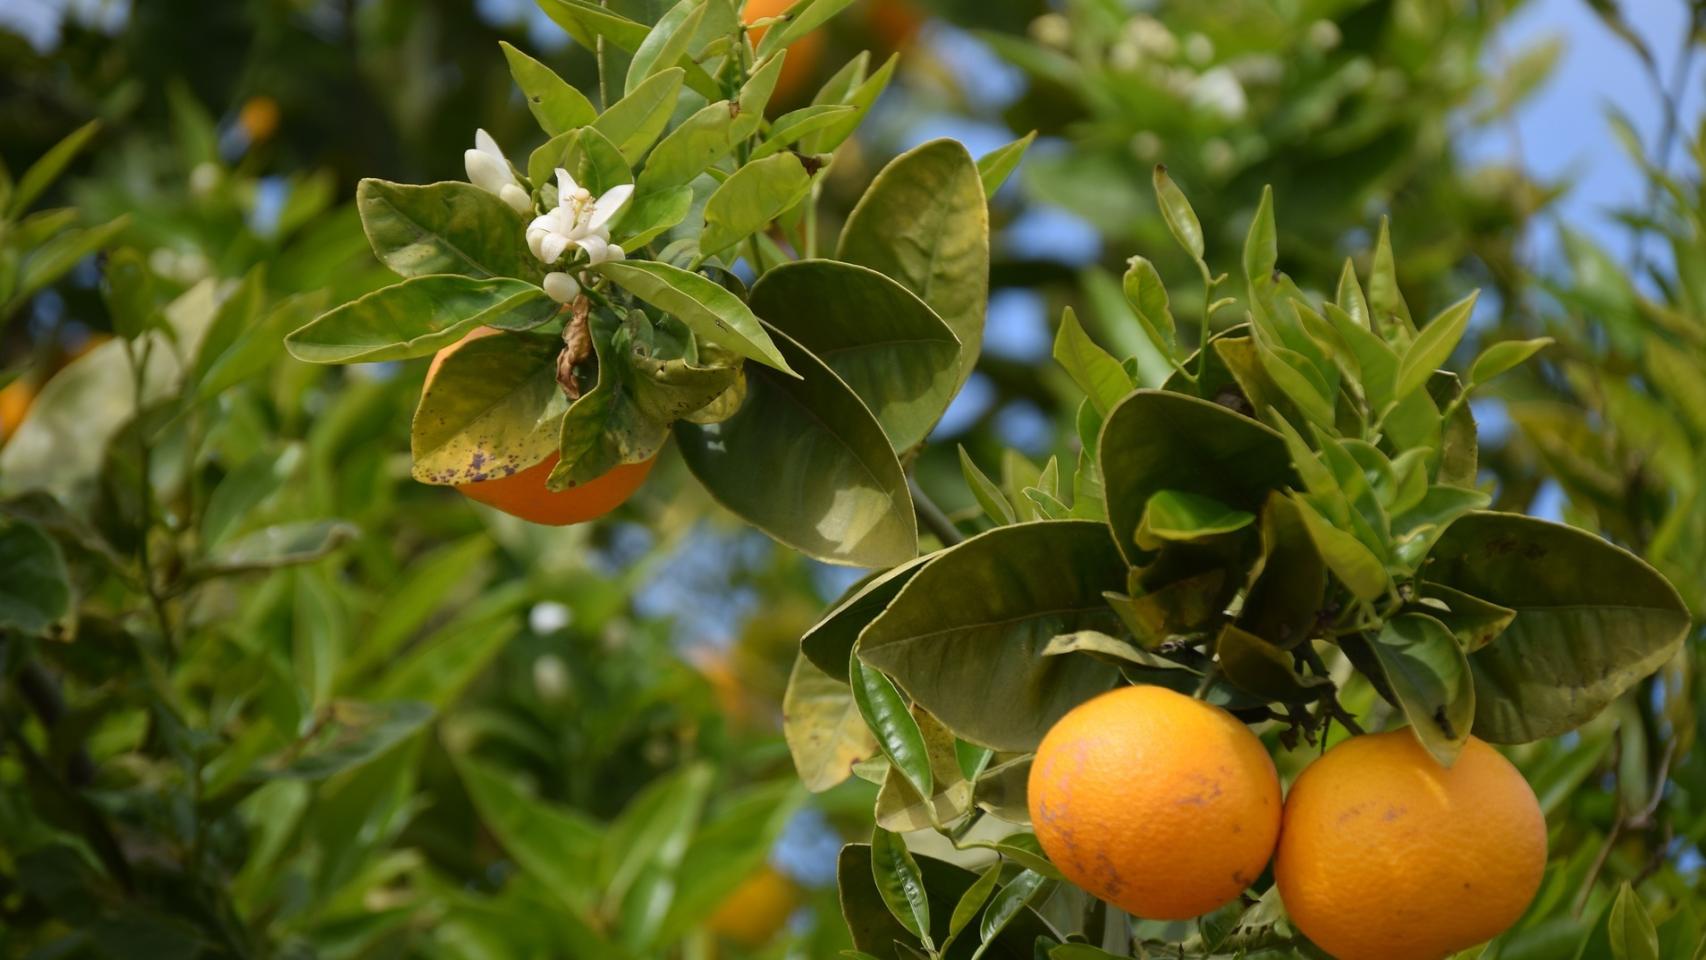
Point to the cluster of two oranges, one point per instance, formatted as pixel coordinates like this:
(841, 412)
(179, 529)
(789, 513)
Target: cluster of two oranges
(1169, 808)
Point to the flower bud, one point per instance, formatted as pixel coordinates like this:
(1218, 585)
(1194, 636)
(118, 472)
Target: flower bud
(561, 287)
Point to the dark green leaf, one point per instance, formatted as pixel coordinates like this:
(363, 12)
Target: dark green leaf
(829, 641)
(1429, 675)
(556, 845)
(901, 884)
(874, 930)
(1009, 900)
(444, 228)
(35, 586)
(418, 317)
(1258, 667)
(354, 734)
(984, 606)
(888, 718)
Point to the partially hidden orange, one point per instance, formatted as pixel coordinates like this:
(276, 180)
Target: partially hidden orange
(1165, 806)
(524, 494)
(756, 910)
(800, 67)
(1386, 855)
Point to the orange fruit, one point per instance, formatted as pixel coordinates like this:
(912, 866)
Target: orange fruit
(259, 118)
(753, 912)
(803, 54)
(15, 400)
(524, 494)
(1165, 806)
(1386, 855)
(895, 22)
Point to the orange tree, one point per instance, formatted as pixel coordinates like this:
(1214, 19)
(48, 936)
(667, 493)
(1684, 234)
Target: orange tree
(1290, 524)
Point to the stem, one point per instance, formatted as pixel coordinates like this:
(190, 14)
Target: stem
(811, 225)
(1203, 331)
(933, 516)
(1335, 709)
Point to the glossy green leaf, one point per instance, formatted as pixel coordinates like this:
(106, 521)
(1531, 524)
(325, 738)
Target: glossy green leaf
(557, 106)
(1008, 901)
(875, 930)
(879, 338)
(494, 409)
(1428, 673)
(1433, 346)
(588, 20)
(746, 202)
(652, 215)
(1474, 621)
(1504, 356)
(997, 165)
(635, 122)
(1176, 210)
(830, 641)
(985, 607)
(825, 732)
(901, 884)
(886, 715)
(35, 586)
(41, 174)
(1182, 515)
(444, 228)
(687, 151)
(665, 44)
(985, 492)
(1350, 560)
(791, 128)
(708, 308)
(972, 901)
(1096, 372)
(901, 808)
(1147, 297)
(1591, 620)
(418, 317)
(861, 96)
(1156, 440)
(925, 223)
(1258, 667)
(834, 490)
(1629, 928)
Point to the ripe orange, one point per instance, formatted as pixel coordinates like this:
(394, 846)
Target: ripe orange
(803, 54)
(1386, 855)
(895, 22)
(523, 494)
(15, 400)
(756, 909)
(1165, 806)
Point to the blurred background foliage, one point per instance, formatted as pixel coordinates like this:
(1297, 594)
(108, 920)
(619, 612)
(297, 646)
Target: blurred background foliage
(297, 705)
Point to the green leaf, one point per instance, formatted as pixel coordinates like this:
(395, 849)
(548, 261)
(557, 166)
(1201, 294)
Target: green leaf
(651, 834)
(444, 228)
(1349, 298)
(587, 154)
(830, 641)
(709, 309)
(791, 128)
(746, 202)
(1428, 673)
(1096, 372)
(665, 43)
(861, 96)
(1011, 899)
(925, 223)
(418, 317)
(1283, 601)
(1433, 347)
(554, 844)
(1474, 621)
(1389, 315)
(835, 490)
(46, 170)
(652, 215)
(1147, 296)
(1258, 667)
(801, 18)
(987, 607)
(492, 410)
(1176, 210)
(1504, 356)
(1629, 927)
(256, 348)
(687, 151)
(55, 258)
(1350, 560)
(35, 585)
(129, 293)
(972, 901)
(1261, 246)
(732, 844)
(825, 732)
(875, 930)
(755, 96)
(634, 123)
(984, 490)
(275, 547)
(1155, 440)
(997, 165)
(901, 884)
(244, 488)
(1181, 515)
(352, 735)
(557, 106)
(878, 337)
(900, 807)
(1419, 528)
(886, 715)
(1591, 620)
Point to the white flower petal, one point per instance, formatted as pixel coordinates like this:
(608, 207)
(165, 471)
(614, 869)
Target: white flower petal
(486, 173)
(552, 247)
(609, 204)
(516, 197)
(561, 287)
(484, 143)
(566, 188)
